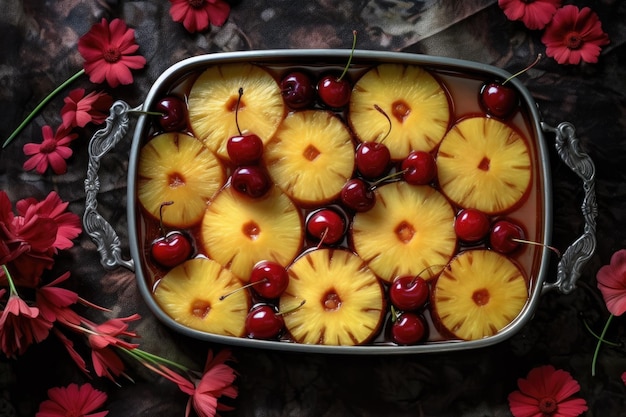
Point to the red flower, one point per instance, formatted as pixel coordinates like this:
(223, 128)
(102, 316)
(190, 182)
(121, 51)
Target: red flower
(107, 333)
(106, 363)
(53, 208)
(574, 35)
(54, 302)
(108, 50)
(546, 392)
(21, 326)
(196, 15)
(69, 346)
(612, 283)
(535, 14)
(29, 240)
(52, 151)
(217, 381)
(81, 109)
(73, 400)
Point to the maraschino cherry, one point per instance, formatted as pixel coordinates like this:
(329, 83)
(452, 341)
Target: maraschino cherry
(357, 195)
(265, 322)
(243, 149)
(506, 236)
(297, 90)
(499, 99)
(419, 168)
(170, 249)
(326, 225)
(335, 91)
(471, 225)
(408, 328)
(269, 279)
(373, 157)
(172, 113)
(251, 180)
(409, 292)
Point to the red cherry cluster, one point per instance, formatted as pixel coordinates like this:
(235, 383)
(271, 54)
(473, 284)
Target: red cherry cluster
(409, 295)
(504, 235)
(245, 151)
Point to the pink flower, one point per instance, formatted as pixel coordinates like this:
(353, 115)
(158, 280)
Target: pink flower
(196, 15)
(612, 283)
(73, 400)
(108, 50)
(52, 151)
(69, 346)
(79, 110)
(546, 392)
(21, 326)
(106, 363)
(574, 35)
(535, 14)
(216, 382)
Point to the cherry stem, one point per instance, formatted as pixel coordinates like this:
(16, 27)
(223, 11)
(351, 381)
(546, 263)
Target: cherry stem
(539, 56)
(161, 226)
(386, 177)
(237, 109)
(529, 242)
(345, 70)
(377, 107)
(291, 310)
(149, 113)
(319, 245)
(426, 269)
(251, 284)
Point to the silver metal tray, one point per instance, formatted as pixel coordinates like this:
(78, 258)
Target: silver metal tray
(567, 145)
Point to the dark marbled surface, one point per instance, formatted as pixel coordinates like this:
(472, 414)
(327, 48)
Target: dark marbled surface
(38, 51)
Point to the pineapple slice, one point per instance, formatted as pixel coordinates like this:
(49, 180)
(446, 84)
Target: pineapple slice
(344, 299)
(213, 104)
(414, 100)
(410, 230)
(484, 164)
(190, 294)
(478, 294)
(177, 167)
(311, 156)
(238, 231)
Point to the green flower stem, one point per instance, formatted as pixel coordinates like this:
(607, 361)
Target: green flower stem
(9, 280)
(142, 355)
(40, 106)
(595, 354)
(608, 342)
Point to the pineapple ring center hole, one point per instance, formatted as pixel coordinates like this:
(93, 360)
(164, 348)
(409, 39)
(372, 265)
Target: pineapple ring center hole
(405, 232)
(200, 308)
(481, 297)
(251, 230)
(311, 153)
(484, 164)
(176, 180)
(331, 301)
(231, 104)
(400, 110)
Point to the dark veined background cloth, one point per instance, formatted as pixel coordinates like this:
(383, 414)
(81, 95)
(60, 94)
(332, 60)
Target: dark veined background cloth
(38, 51)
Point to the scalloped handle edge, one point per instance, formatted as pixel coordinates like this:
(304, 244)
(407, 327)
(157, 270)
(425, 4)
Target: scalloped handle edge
(100, 230)
(582, 249)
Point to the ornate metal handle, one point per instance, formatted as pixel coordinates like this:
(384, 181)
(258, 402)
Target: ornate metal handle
(579, 252)
(100, 231)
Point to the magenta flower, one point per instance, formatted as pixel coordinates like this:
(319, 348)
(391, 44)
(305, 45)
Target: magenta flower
(52, 151)
(547, 392)
(196, 15)
(535, 14)
(109, 52)
(20, 326)
(73, 400)
(574, 35)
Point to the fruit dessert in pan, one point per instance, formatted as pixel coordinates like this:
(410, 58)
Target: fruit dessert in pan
(392, 213)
